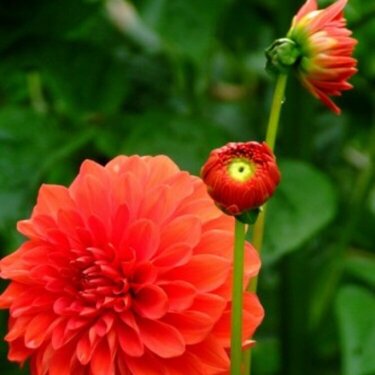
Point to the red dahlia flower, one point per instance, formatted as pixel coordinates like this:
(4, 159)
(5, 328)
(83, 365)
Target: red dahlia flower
(325, 61)
(241, 176)
(126, 272)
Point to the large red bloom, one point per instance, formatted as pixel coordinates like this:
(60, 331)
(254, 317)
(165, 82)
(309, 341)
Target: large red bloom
(241, 176)
(326, 49)
(126, 272)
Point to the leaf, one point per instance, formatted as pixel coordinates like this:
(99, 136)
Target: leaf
(355, 310)
(10, 203)
(82, 78)
(27, 140)
(267, 359)
(42, 17)
(368, 359)
(186, 139)
(190, 26)
(363, 268)
(85, 78)
(304, 204)
(364, 233)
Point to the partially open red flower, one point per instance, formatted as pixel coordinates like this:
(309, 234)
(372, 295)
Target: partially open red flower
(326, 47)
(241, 176)
(126, 272)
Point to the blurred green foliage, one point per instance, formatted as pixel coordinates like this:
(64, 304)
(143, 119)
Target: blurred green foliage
(93, 79)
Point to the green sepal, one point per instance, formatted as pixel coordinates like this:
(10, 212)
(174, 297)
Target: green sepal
(249, 217)
(282, 55)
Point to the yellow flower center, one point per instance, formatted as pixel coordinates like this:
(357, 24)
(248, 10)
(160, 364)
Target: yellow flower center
(241, 170)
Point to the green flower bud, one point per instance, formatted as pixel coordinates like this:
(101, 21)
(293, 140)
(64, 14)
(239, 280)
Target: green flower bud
(281, 55)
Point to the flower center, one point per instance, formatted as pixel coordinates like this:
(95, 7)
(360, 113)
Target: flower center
(241, 169)
(100, 282)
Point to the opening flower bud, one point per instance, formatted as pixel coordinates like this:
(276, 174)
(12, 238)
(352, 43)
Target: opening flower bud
(319, 48)
(241, 177)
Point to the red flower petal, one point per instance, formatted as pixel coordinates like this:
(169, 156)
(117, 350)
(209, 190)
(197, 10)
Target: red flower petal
(130, 341)
(202, 208)
(149, 365)
(11, 293)
(204, 272)
(326, 16)
(190, 363)
(102, 360)
(210, 304)
(60, 335)
(183, 229)
(119, 222)
(38, 329)
(162, 339)
(18, 351)
(151, 302)
(308, 7)
(212, 353)
(173, 256)
(128, 190)
(252, 314)
(17, 328)
(194, 326)
(143, 237)
(161, 204)
(161, 168)
(51, 199)
(85, 349)
(60, 362)
(180, 294)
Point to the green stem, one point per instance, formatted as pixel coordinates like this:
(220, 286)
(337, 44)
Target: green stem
(257, 240)
(258, 232)
(277, 102)
(237, 296)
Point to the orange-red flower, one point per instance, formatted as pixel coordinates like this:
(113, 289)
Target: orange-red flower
(241, 176)
(325, 61)
(126, 272)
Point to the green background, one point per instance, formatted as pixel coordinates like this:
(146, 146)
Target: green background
(89, 79)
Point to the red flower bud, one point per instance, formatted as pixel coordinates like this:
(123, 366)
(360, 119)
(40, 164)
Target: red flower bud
(241, 176)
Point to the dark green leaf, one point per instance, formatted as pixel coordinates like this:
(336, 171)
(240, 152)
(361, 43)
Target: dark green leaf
(362, 267)
(189, 26)
(303, 204)
(188, 140)
(27, 142)
(42, 17)
(81, 78)
(355, 309)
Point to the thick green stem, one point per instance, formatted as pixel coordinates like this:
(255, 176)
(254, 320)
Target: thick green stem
(236, 341)
(258, 232)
